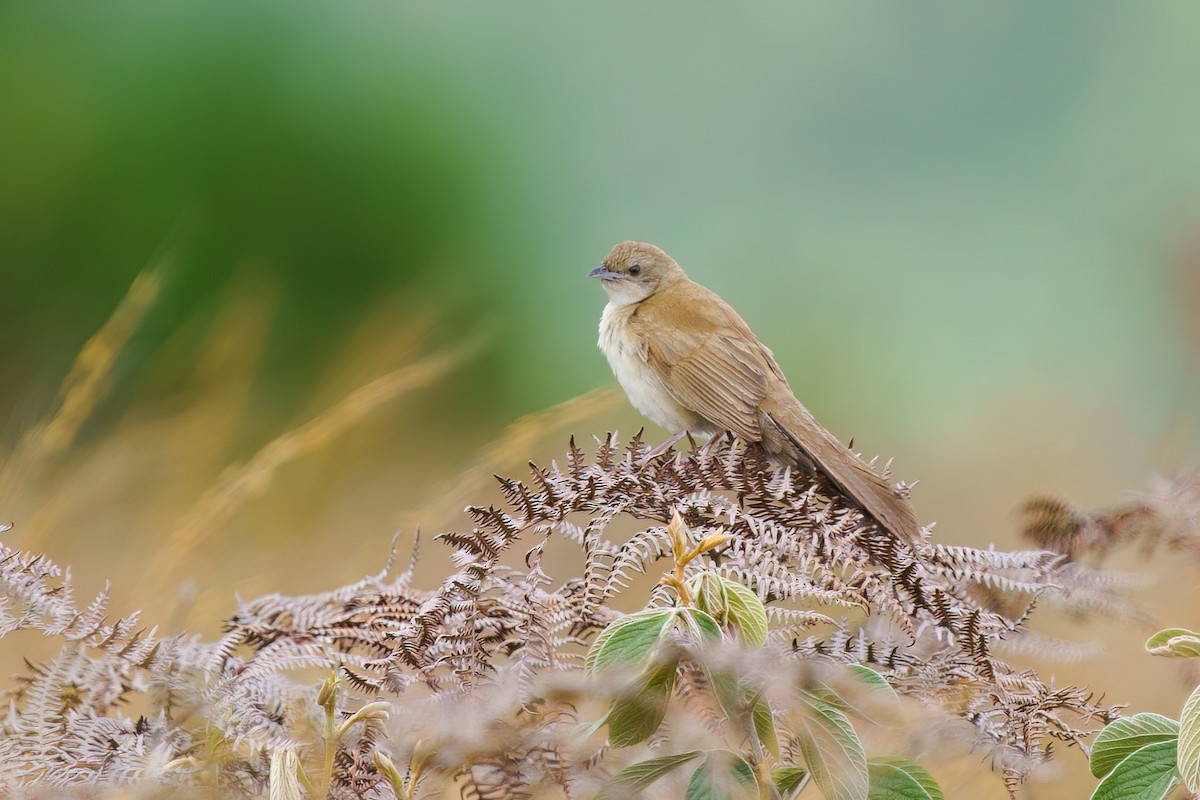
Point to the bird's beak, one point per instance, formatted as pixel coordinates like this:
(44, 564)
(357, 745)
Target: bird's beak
(604, 273)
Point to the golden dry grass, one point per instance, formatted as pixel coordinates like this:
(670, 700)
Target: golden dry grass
(254, 477)
(507, 453)
(140, 496)
(84, 387)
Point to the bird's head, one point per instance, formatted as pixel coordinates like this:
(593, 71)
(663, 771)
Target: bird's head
(632, 271)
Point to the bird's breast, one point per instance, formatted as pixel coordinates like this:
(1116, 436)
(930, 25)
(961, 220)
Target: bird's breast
(622, 345)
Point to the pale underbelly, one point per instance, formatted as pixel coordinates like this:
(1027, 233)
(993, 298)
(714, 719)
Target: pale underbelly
(646, 393)
(644, 388)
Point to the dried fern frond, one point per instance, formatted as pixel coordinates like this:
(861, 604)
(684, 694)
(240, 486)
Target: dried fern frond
(485, 669)
(1166, 516)
(792, 542)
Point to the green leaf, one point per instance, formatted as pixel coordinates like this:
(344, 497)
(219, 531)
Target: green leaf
(631, 638)
(764, 725)
(636, 714)
(1174, 643)
(746, 613)
(727, 687)
(638, 776)
(789, 780)
(881, 704)
(701, 625)
(901, 779)
(722, 776)
(732, 604)
(584, 732)
(1124, 736)
(832, 751)
(871, 678)
(726, 684)
(1147, 774)
(707, 593)
(1188, 760)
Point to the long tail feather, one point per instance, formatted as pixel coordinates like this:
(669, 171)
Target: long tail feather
(793, 435)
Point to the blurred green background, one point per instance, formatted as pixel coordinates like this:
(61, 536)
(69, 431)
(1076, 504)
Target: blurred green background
(968, 231)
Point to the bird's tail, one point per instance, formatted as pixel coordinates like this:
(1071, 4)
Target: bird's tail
(792, 435)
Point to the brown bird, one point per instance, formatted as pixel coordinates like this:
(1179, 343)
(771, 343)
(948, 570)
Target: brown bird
(690, 363)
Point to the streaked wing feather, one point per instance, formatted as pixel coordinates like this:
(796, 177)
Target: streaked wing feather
(718, 374)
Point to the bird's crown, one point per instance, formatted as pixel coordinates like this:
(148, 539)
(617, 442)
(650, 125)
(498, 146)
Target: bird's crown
(627, 254)
(641, 261)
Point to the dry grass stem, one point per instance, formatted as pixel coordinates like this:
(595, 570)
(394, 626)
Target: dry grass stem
(528, 434)
(220, 502)
(85, 386)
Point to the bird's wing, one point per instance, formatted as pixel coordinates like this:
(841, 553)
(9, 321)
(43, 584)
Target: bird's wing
(711, 364)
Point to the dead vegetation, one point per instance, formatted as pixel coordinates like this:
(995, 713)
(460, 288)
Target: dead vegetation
(500, 646)
(475, 685)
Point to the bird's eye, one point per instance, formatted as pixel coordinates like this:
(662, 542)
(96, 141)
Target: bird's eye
(635, 270)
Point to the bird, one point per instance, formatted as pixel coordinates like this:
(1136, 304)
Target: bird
(691, 364)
